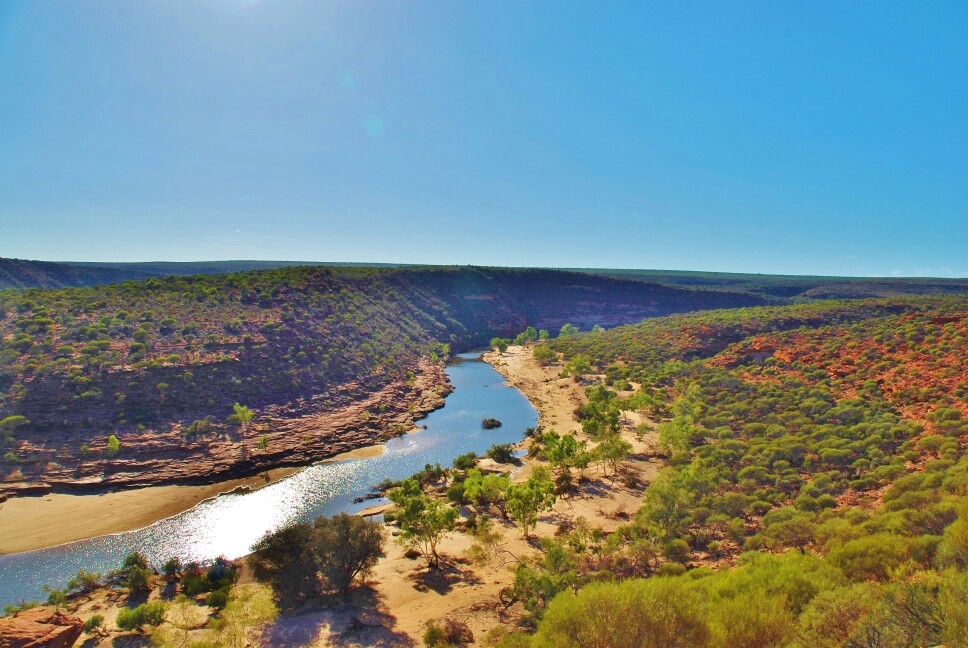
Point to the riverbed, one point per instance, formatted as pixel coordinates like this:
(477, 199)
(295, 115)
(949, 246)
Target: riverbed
(228, 525)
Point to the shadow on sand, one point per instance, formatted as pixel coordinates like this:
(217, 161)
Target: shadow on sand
(360, 619)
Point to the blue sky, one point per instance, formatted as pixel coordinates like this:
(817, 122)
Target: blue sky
(820, 137)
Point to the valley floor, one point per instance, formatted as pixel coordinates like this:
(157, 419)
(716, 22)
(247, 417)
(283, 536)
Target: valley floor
(405, 597)
(402, 596)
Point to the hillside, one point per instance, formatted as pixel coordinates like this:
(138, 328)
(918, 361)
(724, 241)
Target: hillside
(816, 460)
(23, 274)
(327, 358)
(792, 288)
(779, 289)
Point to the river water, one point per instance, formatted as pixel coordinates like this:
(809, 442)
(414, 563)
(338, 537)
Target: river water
(228, 525)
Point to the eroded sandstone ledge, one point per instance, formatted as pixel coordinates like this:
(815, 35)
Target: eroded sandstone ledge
(296, 434)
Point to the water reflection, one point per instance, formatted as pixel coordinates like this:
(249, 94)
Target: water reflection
(228, 525)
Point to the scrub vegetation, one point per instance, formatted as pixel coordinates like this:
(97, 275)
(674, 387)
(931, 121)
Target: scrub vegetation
(816, 485)
(85, 370)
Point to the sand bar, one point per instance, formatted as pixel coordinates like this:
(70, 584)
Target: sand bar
(29, 523)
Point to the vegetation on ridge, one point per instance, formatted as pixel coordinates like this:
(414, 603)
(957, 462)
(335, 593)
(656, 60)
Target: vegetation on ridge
(78, 365)
(816, 456)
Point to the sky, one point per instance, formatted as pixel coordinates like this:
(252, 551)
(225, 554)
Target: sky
(774, 137)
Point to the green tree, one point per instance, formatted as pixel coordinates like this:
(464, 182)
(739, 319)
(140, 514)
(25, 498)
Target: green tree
(525, 501)
(244, 415)
(568, 330)
(347, 547)
(501, 344)
(113, 445)
(485, 491)
(285, 559)
(146, 614)
(423, 520)
(564, 452)
(544, 354)
(612, 451)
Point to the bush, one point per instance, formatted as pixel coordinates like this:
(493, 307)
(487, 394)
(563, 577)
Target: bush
(172, 568)
(677, 550)
(96, 622)
(466, 461)
(648, 613)
(502, 453)
(84, 582)
(218, 599)
(139, 579)
(451, 633)
(339, 549)
(56, 598)
(146, 614)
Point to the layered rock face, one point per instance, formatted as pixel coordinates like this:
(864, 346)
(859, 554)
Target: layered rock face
(41, 627)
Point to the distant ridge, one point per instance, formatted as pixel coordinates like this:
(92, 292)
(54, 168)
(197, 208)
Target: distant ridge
(24, 274)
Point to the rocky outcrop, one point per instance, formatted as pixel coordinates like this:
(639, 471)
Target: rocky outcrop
(41, 627)
(295, 435)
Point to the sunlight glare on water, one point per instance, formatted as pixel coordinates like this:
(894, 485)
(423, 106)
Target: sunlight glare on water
(229, 525)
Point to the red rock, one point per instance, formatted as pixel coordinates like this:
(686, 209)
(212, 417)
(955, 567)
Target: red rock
(41, 627)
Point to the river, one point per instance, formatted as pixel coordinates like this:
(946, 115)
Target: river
(228, 525)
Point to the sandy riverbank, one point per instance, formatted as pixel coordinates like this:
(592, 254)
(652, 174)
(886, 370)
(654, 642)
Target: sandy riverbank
(403, 597)
(407, 597)
(28, 523)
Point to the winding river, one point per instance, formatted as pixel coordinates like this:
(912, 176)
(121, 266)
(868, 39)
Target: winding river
(228, 525)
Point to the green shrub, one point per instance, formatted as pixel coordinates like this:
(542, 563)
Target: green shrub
(146, 614)
(94, 623)
(651, 613)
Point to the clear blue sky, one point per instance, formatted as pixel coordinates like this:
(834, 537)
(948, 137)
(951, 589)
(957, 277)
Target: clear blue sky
(810, 137)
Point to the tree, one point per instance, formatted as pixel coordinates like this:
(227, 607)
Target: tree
(529, 335)
(832, 617)
(543, 334)
(347, 547)
(796, 531)
(612, 451)
(485, 491)
(501, 344)
(568, 330)
(424, 521)
(113, 445)
(244, 414)
(285, 559)
(526, 501)
(264, 443)
(84, 582)
(564, 452)
(578, 366)
(874, 556)
(172, 568)
(544, 354)
(10, 424)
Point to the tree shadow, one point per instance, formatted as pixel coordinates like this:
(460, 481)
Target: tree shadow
(134, 599)
(443, 579)
(131, 641)
(360, 619)
(169, 591)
